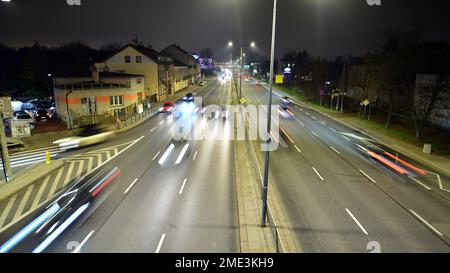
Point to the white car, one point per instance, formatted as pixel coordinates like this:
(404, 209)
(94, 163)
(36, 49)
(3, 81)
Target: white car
(202, 83)
(86, 138)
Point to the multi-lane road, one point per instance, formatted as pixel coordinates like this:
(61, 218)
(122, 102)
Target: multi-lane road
(340, 198)
(169, 197)
(337, 194)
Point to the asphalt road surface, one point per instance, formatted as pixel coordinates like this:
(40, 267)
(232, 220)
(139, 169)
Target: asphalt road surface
(157, 206)
(340, 199)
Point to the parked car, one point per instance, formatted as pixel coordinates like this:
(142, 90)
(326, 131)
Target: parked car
(202, 83)
(25, 116)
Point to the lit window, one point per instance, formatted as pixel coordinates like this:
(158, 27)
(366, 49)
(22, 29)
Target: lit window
(116, 100)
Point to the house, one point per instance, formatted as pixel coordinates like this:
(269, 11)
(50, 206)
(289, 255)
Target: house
(157, 69)
(186, 66)
(105, 95)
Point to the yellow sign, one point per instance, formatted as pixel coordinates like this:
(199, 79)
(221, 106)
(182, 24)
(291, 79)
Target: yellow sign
(242, 100)
(279, 79)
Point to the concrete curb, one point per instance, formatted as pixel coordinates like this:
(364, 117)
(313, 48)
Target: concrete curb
(27, 177)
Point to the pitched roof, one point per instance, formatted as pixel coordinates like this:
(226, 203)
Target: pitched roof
(146, 51)
(118, 75)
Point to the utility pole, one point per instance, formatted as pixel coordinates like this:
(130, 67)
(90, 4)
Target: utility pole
(240, 76)
(269, 119)
(343, 88)
(5, 153)
(69, 125)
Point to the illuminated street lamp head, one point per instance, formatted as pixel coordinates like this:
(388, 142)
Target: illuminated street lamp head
(230, 43)
(252, 44)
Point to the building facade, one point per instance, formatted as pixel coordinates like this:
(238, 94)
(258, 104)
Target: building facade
(157, 69)
(107, 95)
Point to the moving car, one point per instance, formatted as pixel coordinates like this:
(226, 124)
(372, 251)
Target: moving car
(25, 116)
(258, 83)
(286, 100)
(285, 112)
(42, 115)
(188, 97)
(90, 135)
(66, 210)
(167, 107)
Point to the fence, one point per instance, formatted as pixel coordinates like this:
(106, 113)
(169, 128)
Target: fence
(136, 118)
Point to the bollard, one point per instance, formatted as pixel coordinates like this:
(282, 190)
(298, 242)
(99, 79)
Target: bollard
(48, 161)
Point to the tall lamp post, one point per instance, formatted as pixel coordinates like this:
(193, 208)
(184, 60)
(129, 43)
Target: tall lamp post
(269, 114)
(230, 44)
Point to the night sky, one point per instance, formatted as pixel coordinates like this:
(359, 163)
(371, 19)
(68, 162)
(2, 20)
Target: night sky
(325, 28)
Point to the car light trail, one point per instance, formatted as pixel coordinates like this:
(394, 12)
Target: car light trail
(166, 154)
(29, 228)
(183, 152)
(60, 229)
(405, 163)
(105, 181)
(387, 162)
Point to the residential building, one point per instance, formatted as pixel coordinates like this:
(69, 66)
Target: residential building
(157, 69)
(185, 63)
(81, 101)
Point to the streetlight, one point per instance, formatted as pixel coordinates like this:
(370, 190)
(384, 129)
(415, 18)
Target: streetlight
(230, 44)
(269, 114)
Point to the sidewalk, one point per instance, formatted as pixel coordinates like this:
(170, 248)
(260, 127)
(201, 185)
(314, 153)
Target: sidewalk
(43, 140)
(276, 236)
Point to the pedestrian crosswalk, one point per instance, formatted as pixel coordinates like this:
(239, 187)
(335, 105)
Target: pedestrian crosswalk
(31, 157)
(20, 204)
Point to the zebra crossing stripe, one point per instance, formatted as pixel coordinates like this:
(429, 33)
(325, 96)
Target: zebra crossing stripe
(69, 173)
(55, 182)
(40, 192)
(7, 209)
(23, 202)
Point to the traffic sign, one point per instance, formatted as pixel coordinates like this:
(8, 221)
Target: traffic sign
(242, 100)
(20, 129)
(366, 102)
(322, 92)
(279, 79)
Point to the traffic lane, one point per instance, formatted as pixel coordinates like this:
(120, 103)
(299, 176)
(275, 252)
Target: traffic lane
(437, 207)
(207, 220)
(322, 158)
(206, 216)
(135, 163)
(386, 221)
(142, 217)
(316, 218)
(356, 135)
(132, 243)
(401, 188)
(132, 164)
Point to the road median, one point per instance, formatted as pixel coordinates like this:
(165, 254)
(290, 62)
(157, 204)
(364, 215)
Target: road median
(28, 176)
